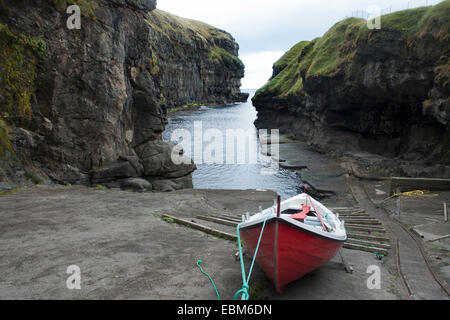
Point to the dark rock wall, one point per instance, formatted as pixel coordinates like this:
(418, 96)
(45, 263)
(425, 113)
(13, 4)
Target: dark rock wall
(100, 92)
(196, 63)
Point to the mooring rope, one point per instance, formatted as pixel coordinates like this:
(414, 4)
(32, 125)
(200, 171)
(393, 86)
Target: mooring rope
(243, 292)
(199, 264)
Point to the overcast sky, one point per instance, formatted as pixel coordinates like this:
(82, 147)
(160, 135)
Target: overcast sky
(266, 29)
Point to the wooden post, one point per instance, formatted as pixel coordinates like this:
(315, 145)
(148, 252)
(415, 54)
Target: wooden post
(445, 212)
(278, 206)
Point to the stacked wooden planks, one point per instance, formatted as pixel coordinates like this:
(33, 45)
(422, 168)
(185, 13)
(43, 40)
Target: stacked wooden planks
(197, 226)
(364, 232)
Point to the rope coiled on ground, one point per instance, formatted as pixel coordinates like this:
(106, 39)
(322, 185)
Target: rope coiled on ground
(414, 193)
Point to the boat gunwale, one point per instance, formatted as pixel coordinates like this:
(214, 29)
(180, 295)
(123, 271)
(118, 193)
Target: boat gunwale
(259, 222)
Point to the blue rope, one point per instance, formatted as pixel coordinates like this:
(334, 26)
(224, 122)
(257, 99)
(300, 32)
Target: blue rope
(243, 292)
(199, 264)
(245, 287)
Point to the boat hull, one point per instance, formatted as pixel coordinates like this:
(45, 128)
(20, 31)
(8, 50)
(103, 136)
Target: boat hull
(288, 252)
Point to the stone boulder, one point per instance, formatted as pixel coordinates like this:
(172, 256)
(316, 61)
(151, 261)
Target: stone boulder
(114, 171)
(136, 184)
(157, 160)
(169, 185)
(243, 96)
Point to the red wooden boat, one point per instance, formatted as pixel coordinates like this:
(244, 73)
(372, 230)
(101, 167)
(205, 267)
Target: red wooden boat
(299, 235)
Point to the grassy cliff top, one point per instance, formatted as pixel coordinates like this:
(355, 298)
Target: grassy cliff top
(330, 54)
(166, 22)
(182, 30)
(87, 7)
(293, 53)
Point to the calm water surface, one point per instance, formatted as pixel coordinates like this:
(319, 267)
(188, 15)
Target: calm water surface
(231, 176)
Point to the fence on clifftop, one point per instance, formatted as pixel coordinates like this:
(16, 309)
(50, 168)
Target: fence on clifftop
(364, 14)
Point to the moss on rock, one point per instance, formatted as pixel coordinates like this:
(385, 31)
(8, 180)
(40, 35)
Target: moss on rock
(18, 72)
(5, 144)
(18, 59)
(219, 55)
(153, 67)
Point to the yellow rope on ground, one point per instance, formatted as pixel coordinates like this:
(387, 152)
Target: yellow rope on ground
(415, 193)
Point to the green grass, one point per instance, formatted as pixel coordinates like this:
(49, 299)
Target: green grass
(168, 220)
(5, 144)
(219, 55)
(336, 47)
(100, 187)
(289, 80)
(18, 59)
(292, 55)
(177, 28)
(180, 31)
(87, 7)
(152, 62)
(162, 100)
(188, 106)
(416, 22)
(334, 51)
(5, 193)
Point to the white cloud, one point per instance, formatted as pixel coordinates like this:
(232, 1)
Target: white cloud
(258, 68)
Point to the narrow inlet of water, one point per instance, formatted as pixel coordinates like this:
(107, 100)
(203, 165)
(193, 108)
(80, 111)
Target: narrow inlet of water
(248, 174)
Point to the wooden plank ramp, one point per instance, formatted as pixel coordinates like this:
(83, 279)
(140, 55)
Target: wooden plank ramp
(354, 215)
(369, 243)
(377, 250)
(218, 220)
(365, 233)
(371, 228)
(231, 218)
(357, 218)
(208, 230)
(369, 237)
(363, 228)
(339, 209)
(363, 222)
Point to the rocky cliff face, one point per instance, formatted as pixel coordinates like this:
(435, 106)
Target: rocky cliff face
(87, 106)
(382, 91)
(195, 62)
